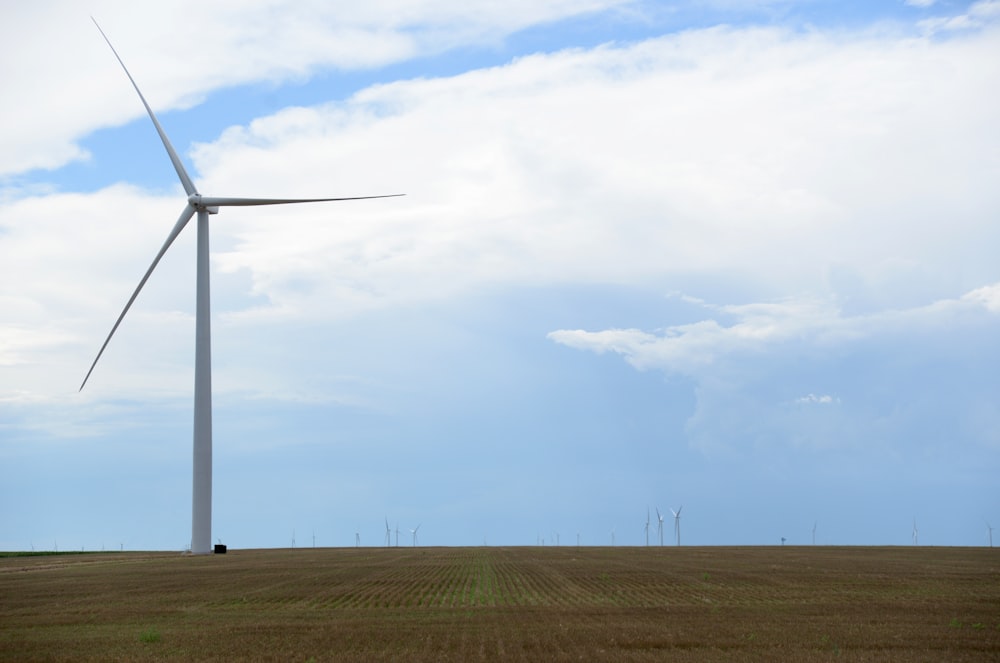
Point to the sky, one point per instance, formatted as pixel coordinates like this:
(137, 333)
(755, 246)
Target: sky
(735, 256)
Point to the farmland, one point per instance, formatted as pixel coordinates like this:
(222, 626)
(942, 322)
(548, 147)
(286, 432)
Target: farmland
(535, 603)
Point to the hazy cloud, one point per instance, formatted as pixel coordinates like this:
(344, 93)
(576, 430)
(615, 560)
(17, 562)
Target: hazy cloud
(978, 15)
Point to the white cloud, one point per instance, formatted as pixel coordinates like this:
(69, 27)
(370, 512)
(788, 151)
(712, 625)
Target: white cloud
(66, 85)
(752, 152)
(696, 349)
(811, 170)
(813, 399)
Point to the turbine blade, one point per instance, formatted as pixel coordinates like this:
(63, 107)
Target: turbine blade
(178, 227)
(219, 201)
(174, 159)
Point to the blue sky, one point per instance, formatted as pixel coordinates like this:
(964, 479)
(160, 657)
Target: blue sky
(736, 255)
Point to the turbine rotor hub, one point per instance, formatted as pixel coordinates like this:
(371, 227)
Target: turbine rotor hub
(195, 200)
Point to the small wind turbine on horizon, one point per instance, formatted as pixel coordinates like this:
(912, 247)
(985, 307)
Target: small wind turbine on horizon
(414, 533)
(388, 533)
(915, 535)
(814, 532)
(646, 528)
(659, 525)
(200, 206)
(989, 533)
(677, 523)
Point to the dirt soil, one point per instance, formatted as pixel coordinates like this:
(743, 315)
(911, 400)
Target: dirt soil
(512, 604)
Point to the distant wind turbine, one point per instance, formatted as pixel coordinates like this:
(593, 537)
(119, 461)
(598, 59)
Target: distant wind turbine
(647, 526)
(989, 533)
(659, 525)
(397, 535)
(357, 539)
(388, 533)
(202, 206)
(916, 538)
(612, 537)
(677, 523)
(814, 532)
(414, 533)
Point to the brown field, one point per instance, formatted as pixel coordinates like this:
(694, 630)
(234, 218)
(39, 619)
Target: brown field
(529, 604)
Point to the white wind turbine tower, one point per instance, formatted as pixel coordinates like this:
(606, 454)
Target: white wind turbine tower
(989, 533)
(388, 533)
(414, 533)
(814, 531)
(677, 523)
(916, 538)
(202, 206)
(659, 525)
(647, 526)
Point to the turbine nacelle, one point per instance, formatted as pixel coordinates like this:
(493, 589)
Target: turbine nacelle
(197, 201)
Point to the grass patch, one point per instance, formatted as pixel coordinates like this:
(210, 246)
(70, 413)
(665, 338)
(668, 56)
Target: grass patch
(150, 635)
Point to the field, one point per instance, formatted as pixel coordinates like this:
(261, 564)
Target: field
(529, 604)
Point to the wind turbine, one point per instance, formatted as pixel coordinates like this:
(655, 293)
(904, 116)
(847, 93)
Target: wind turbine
(612, 537)
(659, 525)
(202, 206)
(915, 533)
(989, 533)
(647, 526)
(414, 533)
(388, 533)
(397, 535)
(357, 539)
(677, 523)
(814, 531)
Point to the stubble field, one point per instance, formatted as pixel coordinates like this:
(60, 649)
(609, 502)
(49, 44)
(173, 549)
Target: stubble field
(528, 604)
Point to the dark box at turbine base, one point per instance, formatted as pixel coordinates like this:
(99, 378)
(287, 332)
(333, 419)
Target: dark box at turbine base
(220, 549)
